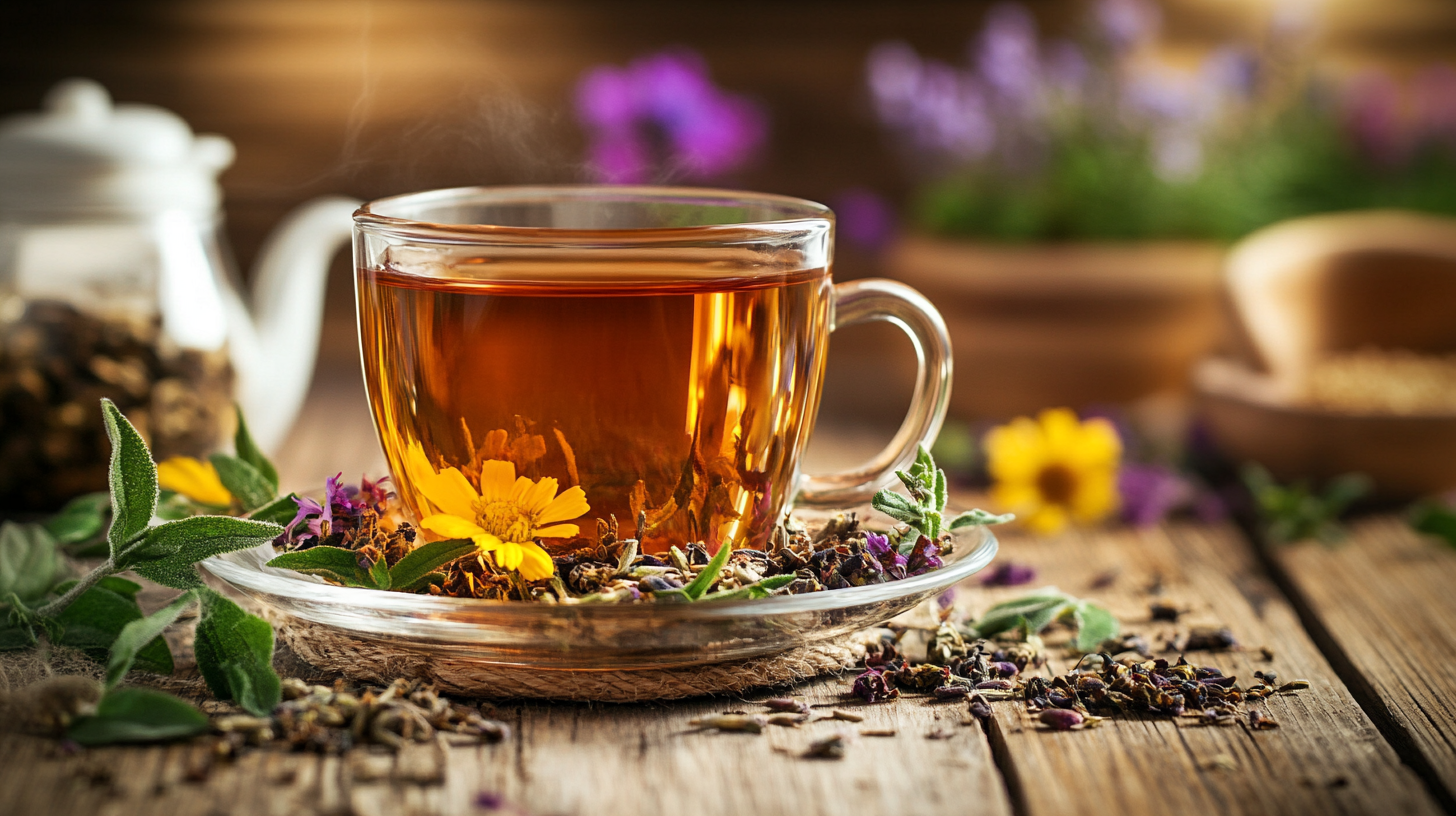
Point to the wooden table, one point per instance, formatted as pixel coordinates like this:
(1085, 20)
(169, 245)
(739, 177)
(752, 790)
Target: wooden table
(1369, 624)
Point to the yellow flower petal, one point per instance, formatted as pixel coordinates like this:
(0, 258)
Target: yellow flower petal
(451, 526)
(450, 491)
(508, 555)
(1048, 519)
(195, 479)
(558, 531)
(569, 505)
(1055, 468)
(536, 563)
(485, 542)
(496, 479)
(539, 497)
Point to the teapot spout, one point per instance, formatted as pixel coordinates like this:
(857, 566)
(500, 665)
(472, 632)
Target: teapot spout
(274, 361)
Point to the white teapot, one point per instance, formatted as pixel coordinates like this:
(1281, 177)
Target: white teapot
(110, 225)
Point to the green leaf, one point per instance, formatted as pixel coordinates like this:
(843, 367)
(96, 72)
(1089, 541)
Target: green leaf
(1094, 625)
(138, 715)
(942, 491)
(333, 563)
(249, 452)
(425, 559)
(82, 519)
(250, 487)
(16, 637)
(890, 499)
(170, 550)
(235, 655)
(1035, 611)
(139, 634)
(379, 575)
(758, 589)
(281, 510)
(709, 576)
(29, 561)
(133, 478)
(979, 518)
(94, 620)
(1434, 519)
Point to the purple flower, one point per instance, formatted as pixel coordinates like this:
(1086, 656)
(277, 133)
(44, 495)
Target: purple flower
(342, 506)
(946, 599)
(864, 219)
(873, 687)
(1125, 24)
(879, 549)
(1009, 573)
(489, 800)
(1372, 118)
(667, 100)
(1150, 493)
(924, 557)
(1006, 54)
(1066, 68)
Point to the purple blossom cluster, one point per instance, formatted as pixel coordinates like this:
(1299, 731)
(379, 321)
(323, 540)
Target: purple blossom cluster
(1015, 96)
(1389, 123)
(342, 508)
(662, 116)
(875, 561)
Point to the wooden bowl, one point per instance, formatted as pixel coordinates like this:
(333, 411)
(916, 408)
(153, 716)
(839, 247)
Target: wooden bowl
(1312, 287)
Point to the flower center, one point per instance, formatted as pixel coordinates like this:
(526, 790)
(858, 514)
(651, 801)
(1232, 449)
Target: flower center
(504, 520)
(1057, 483)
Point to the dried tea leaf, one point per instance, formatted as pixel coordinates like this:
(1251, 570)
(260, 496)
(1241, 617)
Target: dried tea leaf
(30, 561)
(235, 655)
(133, 478)
(139, 634)
(138, 715)
(244, 481)
(170, 550)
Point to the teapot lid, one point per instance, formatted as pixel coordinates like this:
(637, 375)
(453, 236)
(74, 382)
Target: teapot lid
(82, 154)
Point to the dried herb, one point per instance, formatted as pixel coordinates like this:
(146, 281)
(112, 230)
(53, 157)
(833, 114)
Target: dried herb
(923, 512)
(1297, 512)
(831, 747)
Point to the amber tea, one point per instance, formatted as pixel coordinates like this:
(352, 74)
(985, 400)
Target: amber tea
(685, 395)
(545, 360)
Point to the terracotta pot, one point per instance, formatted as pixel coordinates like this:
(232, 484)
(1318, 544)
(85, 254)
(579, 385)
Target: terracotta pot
(1072, 325)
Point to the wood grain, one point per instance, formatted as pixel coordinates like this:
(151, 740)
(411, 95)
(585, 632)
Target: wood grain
(1382, 606)
(580, 759)
(1327, 756)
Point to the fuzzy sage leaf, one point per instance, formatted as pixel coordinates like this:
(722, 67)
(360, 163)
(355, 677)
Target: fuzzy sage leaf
(82, 519)
(133, 477)
(30, 561)
(249, 452)
(235, 655)
(281, 510)
(1033, 613)
(1094, 625)
(332, 563)
(923, 511)
(138, 715)
(410, 572)
(139, 634)
(169, 552)
(250, 487)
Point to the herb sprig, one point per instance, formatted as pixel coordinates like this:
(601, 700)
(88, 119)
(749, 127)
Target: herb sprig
(1035, 612)
(98, 613)
(1298, 512)
(923, 512)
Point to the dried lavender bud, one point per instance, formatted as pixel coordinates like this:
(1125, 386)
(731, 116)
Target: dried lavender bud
(828, 748)
(789, 704)
(1260, 721)
(1294, 685)
(1004, 669)
(1162, 611)
(995, 685)
(979, 708)
(1268, 677)
(1207, 639)
(940, 734)
(787, 719)
(752, 724)
(924, 677)
(877, 732)
(951, 692)
(847, 716)
(873, 687)
(1060, 719)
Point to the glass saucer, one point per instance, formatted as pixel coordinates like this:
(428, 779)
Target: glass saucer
(592, 636)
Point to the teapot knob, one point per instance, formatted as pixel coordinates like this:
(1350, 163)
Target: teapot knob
(81, 100)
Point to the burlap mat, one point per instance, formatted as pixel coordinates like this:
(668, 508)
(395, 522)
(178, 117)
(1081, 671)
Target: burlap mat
(335, 651)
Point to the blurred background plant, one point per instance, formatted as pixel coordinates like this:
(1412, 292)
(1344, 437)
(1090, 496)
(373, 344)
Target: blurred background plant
(1100, 138)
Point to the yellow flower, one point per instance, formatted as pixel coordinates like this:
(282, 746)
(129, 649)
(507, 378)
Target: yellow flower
(194, 479)
(1054, 469)
(505, 517)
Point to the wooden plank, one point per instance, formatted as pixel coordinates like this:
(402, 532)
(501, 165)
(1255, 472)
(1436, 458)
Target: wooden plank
(580, 759)
(1327, 756)
(1381, 605)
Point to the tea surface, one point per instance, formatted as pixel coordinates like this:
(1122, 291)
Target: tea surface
(677, 392)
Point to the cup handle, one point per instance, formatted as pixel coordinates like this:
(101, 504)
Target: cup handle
(861, 301)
